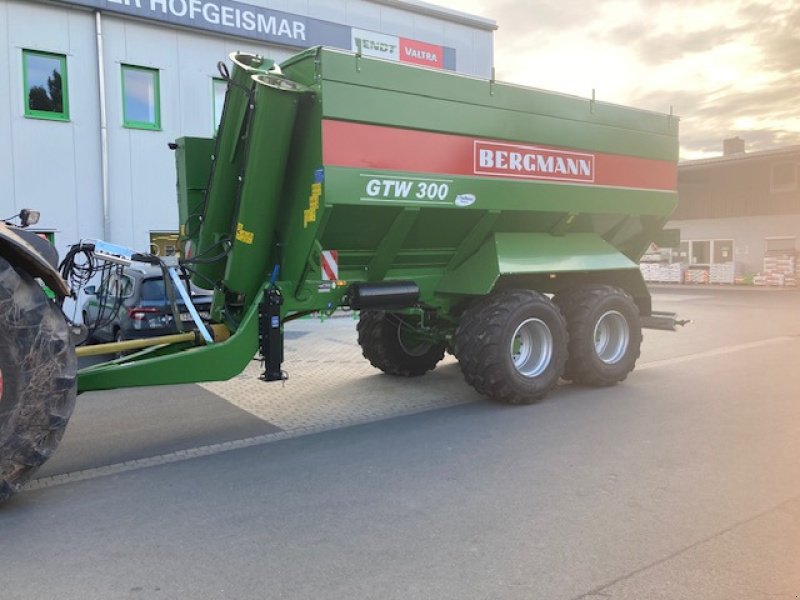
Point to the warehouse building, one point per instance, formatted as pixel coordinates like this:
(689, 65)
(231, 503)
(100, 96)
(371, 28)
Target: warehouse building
(93, 91)
(739, 218)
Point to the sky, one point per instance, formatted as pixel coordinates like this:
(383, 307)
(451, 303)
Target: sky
(726, 67)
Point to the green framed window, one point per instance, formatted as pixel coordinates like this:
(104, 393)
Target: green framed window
(45, 85)
(141, 101)
(50, 236)
(218, 89)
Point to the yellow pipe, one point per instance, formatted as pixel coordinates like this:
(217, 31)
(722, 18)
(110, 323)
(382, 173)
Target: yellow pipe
(218, 332)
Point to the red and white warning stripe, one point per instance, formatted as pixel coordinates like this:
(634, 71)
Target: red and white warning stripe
(329, 261)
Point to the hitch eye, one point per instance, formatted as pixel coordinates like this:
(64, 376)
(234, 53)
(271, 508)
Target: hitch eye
(28, 217)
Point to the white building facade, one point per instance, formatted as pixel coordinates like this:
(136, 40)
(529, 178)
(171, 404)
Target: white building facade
(93, 91)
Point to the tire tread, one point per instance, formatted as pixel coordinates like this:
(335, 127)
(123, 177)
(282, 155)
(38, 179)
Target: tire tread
(577, 305)
(479, 352)
(33, 424)
(377, 336)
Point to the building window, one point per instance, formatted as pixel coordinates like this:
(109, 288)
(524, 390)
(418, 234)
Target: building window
(164, 243)
(700, 252)
(722, 251)
(50, 236)
(219, 87)
(140, 98)
(706, 252)
(45, 85)
(683, 252)
(784, 177)
(781, 244)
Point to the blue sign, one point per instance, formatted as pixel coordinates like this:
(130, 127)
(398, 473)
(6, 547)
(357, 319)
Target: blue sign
(232, 18)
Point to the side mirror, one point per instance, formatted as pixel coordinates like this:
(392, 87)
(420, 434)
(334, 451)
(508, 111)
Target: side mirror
(90, 290)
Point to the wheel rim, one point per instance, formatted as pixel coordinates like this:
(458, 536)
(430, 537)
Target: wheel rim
(611, 337)
(531, 347)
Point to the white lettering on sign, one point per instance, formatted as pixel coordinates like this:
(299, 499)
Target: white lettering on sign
(421, 55)
(404, 189)
(228, 16)
(532, 162)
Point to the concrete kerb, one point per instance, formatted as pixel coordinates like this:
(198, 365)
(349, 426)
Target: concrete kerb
(718, 286)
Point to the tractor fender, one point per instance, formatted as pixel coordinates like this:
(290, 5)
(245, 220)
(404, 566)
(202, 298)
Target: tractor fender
(19, 248)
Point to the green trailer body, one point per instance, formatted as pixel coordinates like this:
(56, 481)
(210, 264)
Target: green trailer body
(385, 169)
(500, 223)
(360, 171)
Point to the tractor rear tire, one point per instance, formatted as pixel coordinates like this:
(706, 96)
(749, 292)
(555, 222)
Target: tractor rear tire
(605, 334)
(387, 342)
(512, 346)
(37, 378)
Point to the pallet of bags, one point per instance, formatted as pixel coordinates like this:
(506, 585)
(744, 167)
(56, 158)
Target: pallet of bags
(696, 276)
(661, 272)
(722, 273)
(672, 273)
(775, 280)
(780, 269)
(648, 271)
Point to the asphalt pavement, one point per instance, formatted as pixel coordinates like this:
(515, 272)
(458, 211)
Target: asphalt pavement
(681, 482)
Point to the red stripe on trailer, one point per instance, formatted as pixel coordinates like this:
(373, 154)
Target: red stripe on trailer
(329, 261)
(376, 147)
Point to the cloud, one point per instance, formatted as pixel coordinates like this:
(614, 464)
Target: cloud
(742, 79)
(729, 67)
(523, 20)
(778, 38)
(764, 118)
(654, 49)
(771, 32)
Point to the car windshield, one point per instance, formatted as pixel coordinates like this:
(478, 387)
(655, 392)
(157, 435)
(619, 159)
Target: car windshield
(153, 290)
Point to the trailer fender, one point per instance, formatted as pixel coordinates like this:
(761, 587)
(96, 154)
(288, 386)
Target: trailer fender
(508, 254)
(19, 248)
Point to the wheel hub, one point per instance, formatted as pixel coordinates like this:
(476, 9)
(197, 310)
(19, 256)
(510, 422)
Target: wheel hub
(411, 346)
(611, 337)
(532, 347)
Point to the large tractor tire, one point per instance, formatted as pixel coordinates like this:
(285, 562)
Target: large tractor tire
(389, 344)
(37, 378)
(605, 334)
(512, 346)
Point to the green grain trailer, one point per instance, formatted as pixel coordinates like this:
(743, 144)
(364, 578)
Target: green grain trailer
(499, 223)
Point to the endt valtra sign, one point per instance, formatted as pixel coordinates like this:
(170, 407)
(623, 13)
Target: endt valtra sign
(379, 45)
